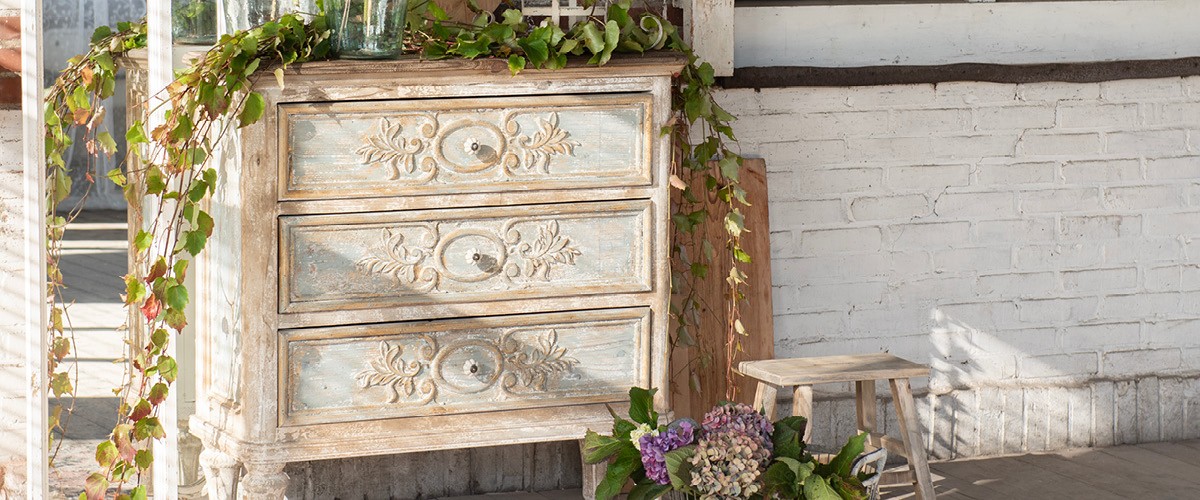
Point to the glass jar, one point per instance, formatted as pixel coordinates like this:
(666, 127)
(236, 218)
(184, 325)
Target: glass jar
(367, 29)
(194, 21)
(246, 14)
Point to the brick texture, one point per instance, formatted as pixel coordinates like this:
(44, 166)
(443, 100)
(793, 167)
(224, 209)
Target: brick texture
(1032, 242)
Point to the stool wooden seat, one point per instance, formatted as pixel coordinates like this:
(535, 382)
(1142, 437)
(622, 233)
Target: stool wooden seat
(802, 373)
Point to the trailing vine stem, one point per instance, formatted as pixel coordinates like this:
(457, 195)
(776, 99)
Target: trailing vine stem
(167, 169)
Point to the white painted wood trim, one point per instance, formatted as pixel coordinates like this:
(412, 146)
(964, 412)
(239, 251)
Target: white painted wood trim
(711, 23)
(36, 340)
(949, 33)
(160, 72)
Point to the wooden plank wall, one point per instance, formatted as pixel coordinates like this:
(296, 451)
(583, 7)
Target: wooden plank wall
(759, 343)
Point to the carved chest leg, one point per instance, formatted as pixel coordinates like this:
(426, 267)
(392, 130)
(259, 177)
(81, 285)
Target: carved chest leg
(592, 475)
(263, 482)
(220, 473)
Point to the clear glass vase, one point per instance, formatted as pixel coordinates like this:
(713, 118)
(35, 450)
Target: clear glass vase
(367, 29)
(194, 21)
(246, 14)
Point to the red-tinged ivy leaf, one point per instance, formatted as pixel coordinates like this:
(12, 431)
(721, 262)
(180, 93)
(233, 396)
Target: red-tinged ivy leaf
(141, 410)
(176, 319)
(106, 454)
(158, 393)
(95, 486)
(151, 308)
(180, 269)
(158, 270)
(135, 290)
(122, 436)
(143, 459)
(61, 348)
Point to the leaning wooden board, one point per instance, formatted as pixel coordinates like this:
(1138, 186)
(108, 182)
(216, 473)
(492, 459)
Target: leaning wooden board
(704, 365)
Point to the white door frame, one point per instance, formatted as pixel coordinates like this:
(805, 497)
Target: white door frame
(33, 138)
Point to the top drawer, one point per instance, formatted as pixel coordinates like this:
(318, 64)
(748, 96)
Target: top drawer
(447, 146)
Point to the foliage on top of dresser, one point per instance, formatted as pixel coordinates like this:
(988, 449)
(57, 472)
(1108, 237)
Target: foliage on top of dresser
(214, 95)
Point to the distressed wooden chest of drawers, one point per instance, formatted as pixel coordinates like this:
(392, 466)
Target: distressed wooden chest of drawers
(413, 256)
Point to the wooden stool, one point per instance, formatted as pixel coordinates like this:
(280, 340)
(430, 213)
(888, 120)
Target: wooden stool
(864, 370)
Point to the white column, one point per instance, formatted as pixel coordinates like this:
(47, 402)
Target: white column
(37, 462)
(161, 68)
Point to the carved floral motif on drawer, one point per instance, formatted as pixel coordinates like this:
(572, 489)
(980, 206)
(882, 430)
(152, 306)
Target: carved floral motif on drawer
(465, 145)
(447, 256)
(456, 366)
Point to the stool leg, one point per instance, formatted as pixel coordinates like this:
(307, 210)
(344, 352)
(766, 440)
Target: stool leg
(765, 399)
(802, 406)
(906, 414)
(865, 406)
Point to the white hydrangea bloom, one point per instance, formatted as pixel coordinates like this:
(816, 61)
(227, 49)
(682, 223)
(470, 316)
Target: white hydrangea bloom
(641, 430)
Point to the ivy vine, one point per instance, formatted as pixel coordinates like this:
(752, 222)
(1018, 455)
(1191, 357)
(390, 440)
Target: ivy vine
(166, 170)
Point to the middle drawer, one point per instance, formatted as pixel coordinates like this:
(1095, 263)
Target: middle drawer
(377, 260)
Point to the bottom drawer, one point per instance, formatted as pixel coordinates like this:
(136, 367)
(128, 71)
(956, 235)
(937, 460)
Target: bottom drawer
(366, 372)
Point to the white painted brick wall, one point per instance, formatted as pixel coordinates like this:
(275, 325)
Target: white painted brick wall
(1034, 243)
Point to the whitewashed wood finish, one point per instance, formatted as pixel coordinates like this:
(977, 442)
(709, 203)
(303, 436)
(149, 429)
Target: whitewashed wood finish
(420, 147)
(461, 366)
(243, 350)
(469, 255)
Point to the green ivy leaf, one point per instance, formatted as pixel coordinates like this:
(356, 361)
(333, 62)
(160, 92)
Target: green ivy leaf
(592, 37)
(512, 17)
(135, 134)
(730, 167)
(138, 493)
(143, 240)
(107, 144)
(177, 297)
(252, 109)
(167, 368)
(536, 51)
(516, 63)
(144, 458)
(148, 427)
(194, 241)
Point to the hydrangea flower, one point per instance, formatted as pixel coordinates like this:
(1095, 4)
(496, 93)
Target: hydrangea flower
(739, 419)
(654, 448)
(727, 465)
(641, 430)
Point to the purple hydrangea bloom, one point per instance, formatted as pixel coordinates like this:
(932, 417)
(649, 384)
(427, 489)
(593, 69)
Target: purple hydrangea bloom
(740, 419)
(655, 448)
